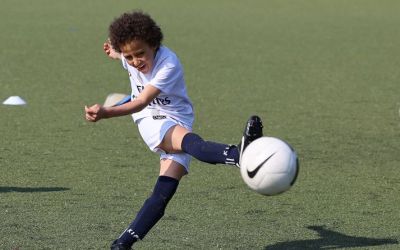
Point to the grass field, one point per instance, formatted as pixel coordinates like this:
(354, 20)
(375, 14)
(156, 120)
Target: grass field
(324, 75)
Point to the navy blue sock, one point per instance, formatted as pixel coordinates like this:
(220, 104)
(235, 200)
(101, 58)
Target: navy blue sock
(210, 152)
(151, 211)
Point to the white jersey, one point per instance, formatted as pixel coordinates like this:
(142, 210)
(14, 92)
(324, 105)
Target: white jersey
(167, 76)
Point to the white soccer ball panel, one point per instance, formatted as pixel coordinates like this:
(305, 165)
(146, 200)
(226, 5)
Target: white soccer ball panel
(273, 184)
(269, 166)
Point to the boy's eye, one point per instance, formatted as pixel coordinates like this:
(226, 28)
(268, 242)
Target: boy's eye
(138, 54)
(129, 58)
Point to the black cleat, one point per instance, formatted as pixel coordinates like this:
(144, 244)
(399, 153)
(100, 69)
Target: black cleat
(119, 246)
(252, 131)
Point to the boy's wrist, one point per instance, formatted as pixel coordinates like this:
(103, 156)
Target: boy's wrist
(105, 113)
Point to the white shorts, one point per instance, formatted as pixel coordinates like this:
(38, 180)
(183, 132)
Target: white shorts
(153, 131)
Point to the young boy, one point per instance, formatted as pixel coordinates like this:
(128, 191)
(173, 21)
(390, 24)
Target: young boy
(163, 113)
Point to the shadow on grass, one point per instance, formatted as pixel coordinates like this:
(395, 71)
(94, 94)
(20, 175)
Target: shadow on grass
(31, 189)
(331, 240)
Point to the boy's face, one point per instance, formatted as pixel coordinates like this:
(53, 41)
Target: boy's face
(139, 55)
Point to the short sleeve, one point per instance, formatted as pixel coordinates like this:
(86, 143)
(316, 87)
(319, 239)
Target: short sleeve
(124, 63)
(167, 77)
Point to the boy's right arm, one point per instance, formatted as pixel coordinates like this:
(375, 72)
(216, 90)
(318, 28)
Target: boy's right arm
(111, 53)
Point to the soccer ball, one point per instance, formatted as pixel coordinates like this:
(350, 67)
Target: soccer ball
(269, 166)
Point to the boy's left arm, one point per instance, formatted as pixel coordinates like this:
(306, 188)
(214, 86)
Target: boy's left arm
(97, 112)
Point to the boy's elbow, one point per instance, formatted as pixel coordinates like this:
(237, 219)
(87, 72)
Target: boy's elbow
(141, 104)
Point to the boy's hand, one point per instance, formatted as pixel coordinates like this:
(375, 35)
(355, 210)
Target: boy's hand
(95, 113)
(111, 53)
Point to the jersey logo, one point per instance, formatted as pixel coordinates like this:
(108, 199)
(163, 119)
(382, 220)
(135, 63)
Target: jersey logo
(156, 101)
(159, 117)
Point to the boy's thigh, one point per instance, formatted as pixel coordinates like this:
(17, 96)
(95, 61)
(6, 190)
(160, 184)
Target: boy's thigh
(172, 168)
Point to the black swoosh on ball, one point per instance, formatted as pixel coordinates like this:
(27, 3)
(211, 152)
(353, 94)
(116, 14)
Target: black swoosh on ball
(254, 172)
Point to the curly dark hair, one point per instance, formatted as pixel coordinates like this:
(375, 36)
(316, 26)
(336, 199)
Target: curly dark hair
(132, 26)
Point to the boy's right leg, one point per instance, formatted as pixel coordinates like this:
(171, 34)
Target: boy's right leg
(153, 208)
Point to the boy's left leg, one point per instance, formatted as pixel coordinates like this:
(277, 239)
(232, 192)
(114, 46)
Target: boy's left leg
(153, 208)
(180, 139)
(210, 152)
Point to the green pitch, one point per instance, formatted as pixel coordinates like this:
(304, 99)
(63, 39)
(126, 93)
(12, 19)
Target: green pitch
(324, 75)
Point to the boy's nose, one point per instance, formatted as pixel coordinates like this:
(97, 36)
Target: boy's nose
(136, 62)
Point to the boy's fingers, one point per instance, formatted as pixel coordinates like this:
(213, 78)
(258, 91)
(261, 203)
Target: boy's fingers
(90, 118)
(89, 111)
